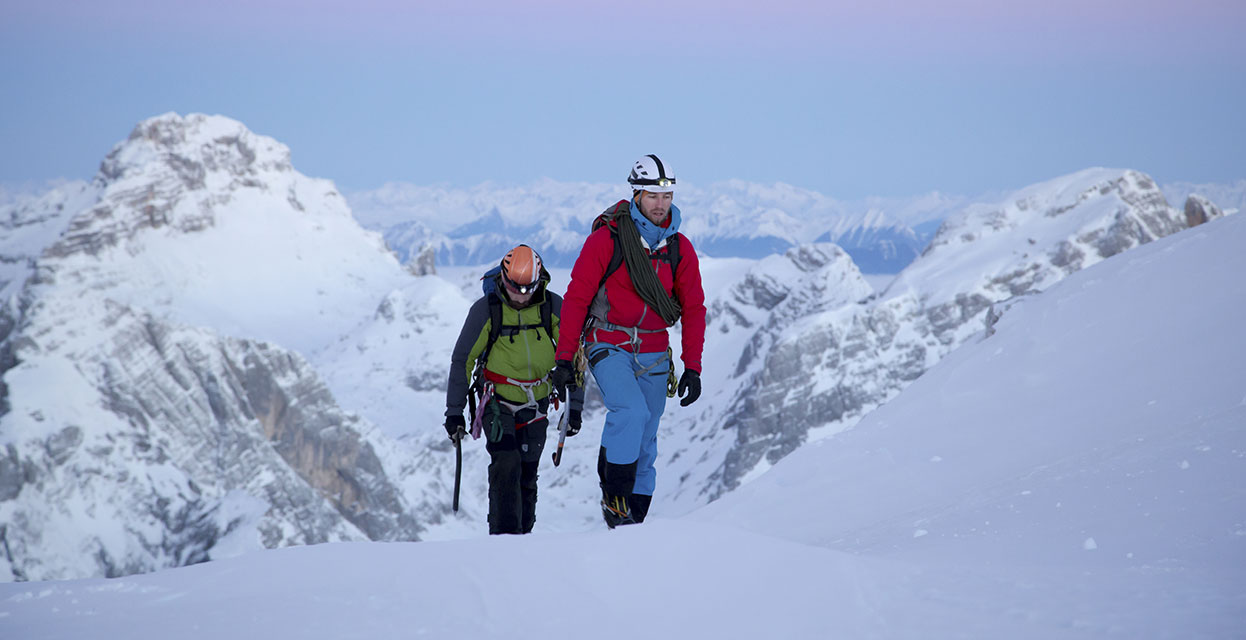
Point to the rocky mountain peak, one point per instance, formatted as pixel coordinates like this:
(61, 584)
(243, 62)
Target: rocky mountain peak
(177, 174)
(1199, 210)
(193, 146)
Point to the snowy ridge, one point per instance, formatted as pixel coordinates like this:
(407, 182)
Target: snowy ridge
(1049, 481)
(824, 371)
(1039, 235)
(32, 223)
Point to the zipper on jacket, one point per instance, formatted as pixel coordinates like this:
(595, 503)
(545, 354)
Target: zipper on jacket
(528, 351)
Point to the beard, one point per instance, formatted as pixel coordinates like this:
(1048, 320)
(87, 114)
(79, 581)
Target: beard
(658, 215)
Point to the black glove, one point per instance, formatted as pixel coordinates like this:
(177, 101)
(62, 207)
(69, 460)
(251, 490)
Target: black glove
(573, 422)
(455, 427)
(562, 377)
(689, 383)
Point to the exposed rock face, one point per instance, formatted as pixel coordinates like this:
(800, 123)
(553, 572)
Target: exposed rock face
(131, 441)
(189, 422)
(743, 419)
(1199, 210)
(424, 264)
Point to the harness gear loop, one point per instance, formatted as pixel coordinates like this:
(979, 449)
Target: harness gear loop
(580, 363)
(526, 385)
(486, 393)
(672, 387)
(633, 338)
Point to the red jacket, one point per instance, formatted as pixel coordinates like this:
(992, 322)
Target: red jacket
(626, 309)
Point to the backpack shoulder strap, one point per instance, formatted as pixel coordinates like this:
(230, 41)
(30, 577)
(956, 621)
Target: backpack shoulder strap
(547, 319)
(672, 248)
(495, 328)
(616, 257)
(622, 207)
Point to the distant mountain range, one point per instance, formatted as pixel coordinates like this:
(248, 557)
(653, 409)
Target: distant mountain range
(729, 220)
(732, 219)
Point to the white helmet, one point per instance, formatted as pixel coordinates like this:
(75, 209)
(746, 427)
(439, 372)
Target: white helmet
(650, 174)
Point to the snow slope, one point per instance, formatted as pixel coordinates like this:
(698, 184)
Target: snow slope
(1078, 474)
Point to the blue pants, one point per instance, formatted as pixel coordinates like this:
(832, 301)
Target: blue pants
(634, 406)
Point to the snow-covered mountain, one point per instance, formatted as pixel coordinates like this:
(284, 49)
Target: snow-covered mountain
(203, 352)
(1076, 475)
(158, 405)
(729, 219)
(815, 368)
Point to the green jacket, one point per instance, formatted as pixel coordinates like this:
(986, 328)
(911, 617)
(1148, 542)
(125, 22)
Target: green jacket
(523, 351)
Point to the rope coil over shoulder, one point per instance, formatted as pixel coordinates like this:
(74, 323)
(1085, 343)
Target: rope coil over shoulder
(644, 277)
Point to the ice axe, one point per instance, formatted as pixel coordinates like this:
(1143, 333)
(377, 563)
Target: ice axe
(562, 434)
(458, 463)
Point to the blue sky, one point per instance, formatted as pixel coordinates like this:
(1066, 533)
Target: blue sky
(898, 99)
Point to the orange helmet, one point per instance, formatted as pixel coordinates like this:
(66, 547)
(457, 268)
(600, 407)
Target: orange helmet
(521, 269)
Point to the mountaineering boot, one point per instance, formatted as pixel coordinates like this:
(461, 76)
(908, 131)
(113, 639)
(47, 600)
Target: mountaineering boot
(639, 504)
(505, 502)
(615, 511)
(617, 481)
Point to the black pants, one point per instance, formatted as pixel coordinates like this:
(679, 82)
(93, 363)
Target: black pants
(515, 454)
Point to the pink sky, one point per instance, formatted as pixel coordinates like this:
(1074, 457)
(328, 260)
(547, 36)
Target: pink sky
(900, 28)
(890, 98)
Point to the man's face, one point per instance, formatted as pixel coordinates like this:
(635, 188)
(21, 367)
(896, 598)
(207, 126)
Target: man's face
(655, 206)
